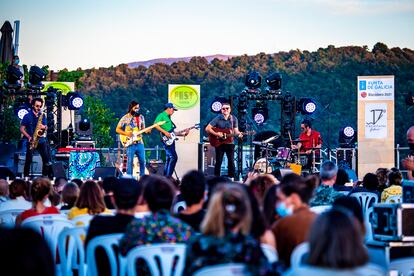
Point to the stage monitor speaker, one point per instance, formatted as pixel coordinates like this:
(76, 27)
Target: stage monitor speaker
(408, 191)
(207, 158)
(6, 154)
(5, 173)
(59, 170)
(102, 172)
(155, 167)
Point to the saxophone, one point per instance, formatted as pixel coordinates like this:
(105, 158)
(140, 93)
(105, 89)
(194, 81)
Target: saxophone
(37, 133)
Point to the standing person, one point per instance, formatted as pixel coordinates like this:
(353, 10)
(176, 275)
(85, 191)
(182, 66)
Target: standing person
(27, 127)
(167, 129)
(408, 163)
(219, 127)
(132, 122)
(310, 142)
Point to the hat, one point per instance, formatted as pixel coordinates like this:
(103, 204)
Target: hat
(170, 105)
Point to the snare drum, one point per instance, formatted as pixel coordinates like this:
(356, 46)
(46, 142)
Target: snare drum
(283, 153)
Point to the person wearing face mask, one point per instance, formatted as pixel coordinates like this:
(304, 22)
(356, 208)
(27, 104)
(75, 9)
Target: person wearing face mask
(132, 122)
(408, 163)
(27, 128)
(292, 229)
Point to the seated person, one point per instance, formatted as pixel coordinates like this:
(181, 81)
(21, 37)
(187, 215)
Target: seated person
(18, 196)
(342, 179)
(394, 185)
(369, 184)
(325, 194)
(70, 194)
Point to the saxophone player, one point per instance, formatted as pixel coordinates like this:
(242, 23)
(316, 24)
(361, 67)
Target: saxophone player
(32, 127)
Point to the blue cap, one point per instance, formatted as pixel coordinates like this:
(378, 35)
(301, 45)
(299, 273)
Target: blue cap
(170, 105)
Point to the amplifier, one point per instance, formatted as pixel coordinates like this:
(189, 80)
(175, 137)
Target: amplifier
(408, 191)
(393, 222)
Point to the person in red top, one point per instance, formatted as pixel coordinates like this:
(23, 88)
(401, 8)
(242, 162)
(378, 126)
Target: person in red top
(310, 142)
(40, 191)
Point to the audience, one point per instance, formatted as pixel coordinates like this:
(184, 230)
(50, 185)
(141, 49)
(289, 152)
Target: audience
(269, 205)
(40, 191)
(292, 229)
(336, 245)
(18, 196)
(4, 190)
(193, 191)
(160, 227)
(59, 183)
(225, 234)
(260, 184)
(108, 186)
(325, 194)
(90, 201)
(70, 194)
(394, 185)
(24, 252)
(142, 209)
(369, 184)
(352, 204)
(382, 175)
(342, 178)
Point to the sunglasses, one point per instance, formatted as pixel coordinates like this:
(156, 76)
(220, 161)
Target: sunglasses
(37, 106)
(225, 108)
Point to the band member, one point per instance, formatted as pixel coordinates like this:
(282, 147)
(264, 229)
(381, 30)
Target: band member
(229, 122)
(166, 129)
(131, 122)
(28, 127)
(311, 141)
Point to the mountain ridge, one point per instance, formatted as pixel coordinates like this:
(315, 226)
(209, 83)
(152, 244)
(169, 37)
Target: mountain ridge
(169, 61)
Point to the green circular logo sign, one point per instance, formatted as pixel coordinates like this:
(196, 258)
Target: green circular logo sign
(58, 85)
(184, 97)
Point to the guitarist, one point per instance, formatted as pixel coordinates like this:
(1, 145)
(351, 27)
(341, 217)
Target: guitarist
(224, 121)
(166, 129)
(130, 121)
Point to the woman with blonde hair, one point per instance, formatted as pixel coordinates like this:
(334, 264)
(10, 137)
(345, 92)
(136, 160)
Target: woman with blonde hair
(225, 234)
(90, 201)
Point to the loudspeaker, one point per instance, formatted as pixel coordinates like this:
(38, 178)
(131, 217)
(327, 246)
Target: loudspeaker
(103, 172)
(155, 167)
(346, 158)
(207, 158)
(35, 167)
(6, 172)
(58, 170)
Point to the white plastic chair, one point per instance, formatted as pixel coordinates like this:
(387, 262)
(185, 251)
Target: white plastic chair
(107, 242)
(394, 199)
(82, 220)
(49, 227)
(405, 266)
(269, 252)
(231, 269)
(179, 206)
(8, 217)
(320, 209)
(298, 254)
(366, 199)
(367, 223)
(72, 251)
(166, 253)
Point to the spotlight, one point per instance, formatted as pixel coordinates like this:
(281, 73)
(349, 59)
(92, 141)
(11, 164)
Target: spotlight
(347, 137)
(260, 113)
(274, 81)
(253, 80)
(217, 103)
(21, 109)
(13, 77)
(73, 100)
(306, 106)
(36, 76)
(84, 129)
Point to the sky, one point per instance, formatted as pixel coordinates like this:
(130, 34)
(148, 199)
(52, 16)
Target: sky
(101, 33)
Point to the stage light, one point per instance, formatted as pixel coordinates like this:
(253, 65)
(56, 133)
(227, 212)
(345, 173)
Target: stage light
(306, 106)
(253, 80)
(347, 137)
(73, 100)
(13, 77)
(217, 103)
(260, 113)
(21, 109)
(84, 129)
(274, 81)
(36, 76)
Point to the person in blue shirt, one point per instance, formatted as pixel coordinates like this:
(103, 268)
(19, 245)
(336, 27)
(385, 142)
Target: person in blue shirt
(27, 128)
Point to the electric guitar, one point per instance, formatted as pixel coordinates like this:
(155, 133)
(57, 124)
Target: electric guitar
(127, 141)
(169, 141)
(227, 137)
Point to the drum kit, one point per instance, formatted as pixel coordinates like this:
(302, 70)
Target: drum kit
(283, 157)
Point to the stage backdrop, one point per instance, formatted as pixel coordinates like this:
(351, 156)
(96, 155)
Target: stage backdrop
(67, 115)
(375, 123)
(187, 100)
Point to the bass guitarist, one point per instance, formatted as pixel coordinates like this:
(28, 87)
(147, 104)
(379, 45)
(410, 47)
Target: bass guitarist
(132, 122)
(228, 124)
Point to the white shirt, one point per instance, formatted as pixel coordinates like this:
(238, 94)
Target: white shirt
(18, 203)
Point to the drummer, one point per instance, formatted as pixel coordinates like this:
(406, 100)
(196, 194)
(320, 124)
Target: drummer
(310, 141)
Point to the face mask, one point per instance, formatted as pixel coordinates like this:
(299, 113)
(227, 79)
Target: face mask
(283, 211)
(16, 61)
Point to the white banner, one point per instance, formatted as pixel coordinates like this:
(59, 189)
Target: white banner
(376, 88)
(376, 121)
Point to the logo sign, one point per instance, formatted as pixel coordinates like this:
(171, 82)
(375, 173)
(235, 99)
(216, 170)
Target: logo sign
(184, 97)
(376, 121)
(376, 88)
(64, 87)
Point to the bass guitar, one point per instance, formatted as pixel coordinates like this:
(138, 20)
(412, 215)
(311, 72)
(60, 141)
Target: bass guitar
(127, 141)
(169, 141)
(227, 138)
